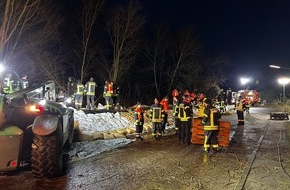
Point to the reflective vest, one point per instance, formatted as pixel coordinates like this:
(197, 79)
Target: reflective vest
(80, 89)
(138, 116)
(156, 114)
(201, 108)
(239, 106)
(90, 88)
(184, 112)
(164, 103)
(175, 108)
(211, 119)
(108, 89)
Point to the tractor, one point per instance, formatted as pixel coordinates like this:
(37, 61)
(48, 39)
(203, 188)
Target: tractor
(34, 129)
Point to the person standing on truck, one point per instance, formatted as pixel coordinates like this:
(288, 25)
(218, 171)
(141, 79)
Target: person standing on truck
(108, 93)
(79, 94)
(90, 88)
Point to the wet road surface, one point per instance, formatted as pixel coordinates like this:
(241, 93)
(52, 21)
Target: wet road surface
(258, 158)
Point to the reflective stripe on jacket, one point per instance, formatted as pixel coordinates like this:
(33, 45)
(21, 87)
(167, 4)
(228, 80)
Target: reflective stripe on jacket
(156, 113)
(80, 89)
(90, 87)
(211, 118)
(184, 111)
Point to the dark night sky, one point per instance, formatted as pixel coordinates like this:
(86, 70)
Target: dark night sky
(253, 33)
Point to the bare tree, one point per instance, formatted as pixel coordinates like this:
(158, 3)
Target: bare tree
(123, 26)
(28, 28)
(155, 51)
(85, 49)
(214, 75)
(184, 53)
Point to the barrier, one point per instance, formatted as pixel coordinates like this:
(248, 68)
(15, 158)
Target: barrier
(198, 132)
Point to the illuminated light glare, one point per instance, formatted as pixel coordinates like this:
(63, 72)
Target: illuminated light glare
(36, 108)
(244, 80)
(38, 90)
(2, 68)
(42, 102)
(69, 100)
(13, 163)
(275, 66)
(283, 81)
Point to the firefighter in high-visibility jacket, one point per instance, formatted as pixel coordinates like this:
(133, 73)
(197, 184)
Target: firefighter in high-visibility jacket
(247, 103)
(185, 117)
(164, 103)
(79, 95)
(201, 106)
(108, 93)
(139, 121)
(156, 115)
(176, 120)
(240, 105)
(90, 88)
(210, 121)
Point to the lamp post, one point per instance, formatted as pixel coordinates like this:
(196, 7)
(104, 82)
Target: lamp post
(244, 81)
(283, 82)
(278, 67)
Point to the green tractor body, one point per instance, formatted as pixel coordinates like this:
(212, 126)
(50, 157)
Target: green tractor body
(33, 129)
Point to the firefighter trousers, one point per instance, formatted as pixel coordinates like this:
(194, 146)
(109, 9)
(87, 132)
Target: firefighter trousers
(156, 127)
(210, 139)
(185, 131)
(164, 122)
(240, 115)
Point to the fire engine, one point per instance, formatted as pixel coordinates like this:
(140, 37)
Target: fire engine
(249, 95)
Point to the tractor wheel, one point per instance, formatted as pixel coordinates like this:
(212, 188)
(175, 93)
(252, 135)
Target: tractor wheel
(71, 134)
(46, 155)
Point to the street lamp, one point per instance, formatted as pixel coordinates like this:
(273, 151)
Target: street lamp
(283, 82)
(244, 81)
(278, 67)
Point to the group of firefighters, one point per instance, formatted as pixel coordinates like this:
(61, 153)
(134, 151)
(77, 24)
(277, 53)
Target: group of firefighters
(183, 106)
(110, 94)
(182, 112)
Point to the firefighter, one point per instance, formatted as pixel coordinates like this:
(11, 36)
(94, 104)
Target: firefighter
(240, 110)
(25, 81)
(175, 93)
(164, 103)
(201, 106)
(90, 88)
(79, 95)
(210, 121)
(175, 104)
(139, 121)
(185, 116)
(156, 115)
(8, 84)
(247, 105)
(108, 93)
(71, 86)
(115, 97)
(176, 120)
(222, 106)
